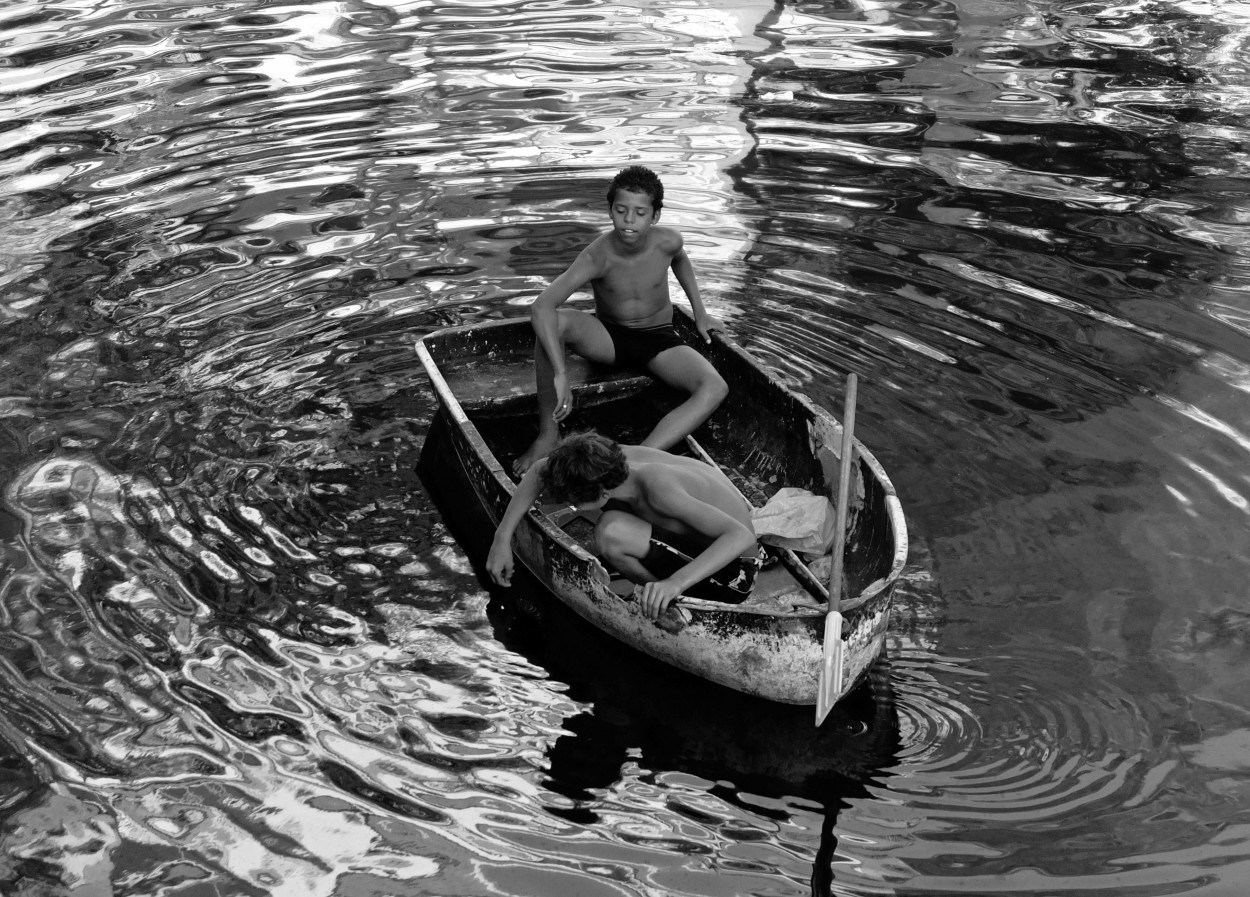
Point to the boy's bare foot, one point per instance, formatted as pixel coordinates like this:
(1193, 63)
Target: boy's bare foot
(538, 450)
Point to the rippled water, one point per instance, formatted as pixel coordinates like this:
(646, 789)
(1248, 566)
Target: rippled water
(244, 653)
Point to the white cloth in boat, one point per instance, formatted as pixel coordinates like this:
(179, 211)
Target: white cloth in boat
(795, 518)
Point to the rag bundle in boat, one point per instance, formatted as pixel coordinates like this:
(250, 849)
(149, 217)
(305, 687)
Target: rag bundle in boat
(765, 436)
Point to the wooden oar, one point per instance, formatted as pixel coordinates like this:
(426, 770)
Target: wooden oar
(830, 688)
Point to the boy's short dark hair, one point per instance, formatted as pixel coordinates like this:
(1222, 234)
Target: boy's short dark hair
(638, 179)
(582, 465)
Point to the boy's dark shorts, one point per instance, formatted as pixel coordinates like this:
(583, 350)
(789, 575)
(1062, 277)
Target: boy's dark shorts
(732, 584)
(636, 346)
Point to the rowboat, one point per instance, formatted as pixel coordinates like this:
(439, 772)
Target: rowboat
(764, 436)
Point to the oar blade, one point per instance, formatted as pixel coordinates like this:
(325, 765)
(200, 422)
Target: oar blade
(834, 650)
(831, 672)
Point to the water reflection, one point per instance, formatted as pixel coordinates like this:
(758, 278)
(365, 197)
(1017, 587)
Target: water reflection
(242, 650)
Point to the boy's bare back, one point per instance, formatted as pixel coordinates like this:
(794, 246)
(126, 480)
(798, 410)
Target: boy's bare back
(673, 484)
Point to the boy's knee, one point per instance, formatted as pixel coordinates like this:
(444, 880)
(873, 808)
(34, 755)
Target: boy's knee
(715, 388)
(612, 536)
(562, 320)
(607, 539)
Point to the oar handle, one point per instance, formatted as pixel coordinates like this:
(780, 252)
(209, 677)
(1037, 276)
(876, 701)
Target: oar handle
(844, 489)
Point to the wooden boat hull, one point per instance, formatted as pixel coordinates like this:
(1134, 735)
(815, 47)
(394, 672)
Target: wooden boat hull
(773, 653)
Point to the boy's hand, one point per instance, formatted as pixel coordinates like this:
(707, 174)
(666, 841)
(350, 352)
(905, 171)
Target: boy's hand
(564, 398)
(499, 564)
(705, 324)
(657, 596)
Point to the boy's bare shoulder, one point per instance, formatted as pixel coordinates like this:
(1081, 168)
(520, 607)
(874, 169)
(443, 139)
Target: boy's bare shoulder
(597, 255)
(599, 246)
(599, 243)
(668, 238)
(662, 484)
(666, 474)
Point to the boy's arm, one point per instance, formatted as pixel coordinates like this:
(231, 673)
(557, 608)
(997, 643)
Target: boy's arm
(547, 325)
(683, 270)
(499, 559)
(730, 539)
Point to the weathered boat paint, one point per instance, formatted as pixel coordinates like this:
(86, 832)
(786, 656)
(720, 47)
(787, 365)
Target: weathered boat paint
(765, 652)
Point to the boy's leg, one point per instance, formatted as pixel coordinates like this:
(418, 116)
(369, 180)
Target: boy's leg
(644, 553)
(585, 335)
(623, 540)
(684, 368)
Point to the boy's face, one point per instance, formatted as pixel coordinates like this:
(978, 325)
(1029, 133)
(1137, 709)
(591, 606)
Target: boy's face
(632, 215)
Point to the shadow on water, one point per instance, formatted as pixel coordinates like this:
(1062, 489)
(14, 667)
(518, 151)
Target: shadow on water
(663, 719)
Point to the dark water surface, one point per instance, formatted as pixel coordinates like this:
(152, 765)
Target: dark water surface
(241, 651)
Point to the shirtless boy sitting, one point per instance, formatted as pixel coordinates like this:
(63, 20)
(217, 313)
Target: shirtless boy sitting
(627, 269)
(654, 499)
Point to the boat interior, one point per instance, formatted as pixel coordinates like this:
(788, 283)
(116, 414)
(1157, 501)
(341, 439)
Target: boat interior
(624, 407)
(495, 384)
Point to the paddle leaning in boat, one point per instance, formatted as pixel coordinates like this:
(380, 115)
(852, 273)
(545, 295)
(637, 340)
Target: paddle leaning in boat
(764, 435)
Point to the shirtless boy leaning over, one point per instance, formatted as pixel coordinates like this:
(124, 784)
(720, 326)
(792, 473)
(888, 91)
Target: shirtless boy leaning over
(669, 523)
(627, 269)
